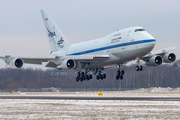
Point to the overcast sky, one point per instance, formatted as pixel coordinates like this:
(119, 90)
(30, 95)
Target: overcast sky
(22, 31)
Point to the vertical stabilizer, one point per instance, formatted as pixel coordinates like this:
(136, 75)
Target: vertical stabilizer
(56, 39)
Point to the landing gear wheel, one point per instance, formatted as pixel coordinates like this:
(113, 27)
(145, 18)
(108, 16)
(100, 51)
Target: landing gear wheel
(101, 76)
(118, 72)
(121, 77)
(86, 77)
(140, 68)
(77, 79)
(78, 74)
(82, 73)
(82, 79)
(104, 76)
(137, 68)
(122, 72)
(117, 77)
(97, 77)
(90, 76)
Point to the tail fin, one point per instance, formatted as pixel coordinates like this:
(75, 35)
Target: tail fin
(56, 39)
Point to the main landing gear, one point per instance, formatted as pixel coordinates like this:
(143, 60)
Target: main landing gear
(83, 76)
(100, 75)
(120, 73)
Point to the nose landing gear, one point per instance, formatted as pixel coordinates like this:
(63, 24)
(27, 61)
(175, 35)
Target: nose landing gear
(139, 67)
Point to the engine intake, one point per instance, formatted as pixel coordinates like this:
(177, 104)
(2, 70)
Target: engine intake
(154, 61)
(169, 57)
(16, 63)
(67, 64)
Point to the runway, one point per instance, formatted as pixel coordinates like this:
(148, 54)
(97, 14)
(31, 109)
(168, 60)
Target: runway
(92, 98)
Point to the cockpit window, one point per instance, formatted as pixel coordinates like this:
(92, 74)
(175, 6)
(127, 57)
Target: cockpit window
(139, 30)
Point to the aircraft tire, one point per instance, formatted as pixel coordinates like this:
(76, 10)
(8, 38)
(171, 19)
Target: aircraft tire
(90, 76)
(87, 77)
(117, 77)
(82, 73)
(101, 76)
(137, 68)
(82, 79)
(78, 74)
(140, 68)
(122, 72)
(97, 77)
(118, 72)
(104, 76)
(121, 77)
(77, 79)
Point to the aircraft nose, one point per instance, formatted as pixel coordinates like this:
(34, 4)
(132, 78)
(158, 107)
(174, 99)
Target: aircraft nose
(151, 43)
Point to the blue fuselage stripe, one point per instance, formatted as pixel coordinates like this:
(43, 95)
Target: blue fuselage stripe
(113, 46)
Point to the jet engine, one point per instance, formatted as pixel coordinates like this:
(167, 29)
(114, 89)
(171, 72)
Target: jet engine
(154, 61)
(15, 63)
(67, 64)
(169, 57)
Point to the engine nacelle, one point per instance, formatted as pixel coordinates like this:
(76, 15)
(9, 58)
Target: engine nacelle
(154, 61)
(169, 57)
(15, 63)
(67, 64)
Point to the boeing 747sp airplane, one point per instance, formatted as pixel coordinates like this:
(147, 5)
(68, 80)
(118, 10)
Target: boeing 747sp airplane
(92, 57)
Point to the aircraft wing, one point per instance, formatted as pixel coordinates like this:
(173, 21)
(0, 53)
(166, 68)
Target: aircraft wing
(169, 57)
(161, 51)
(53, 61)
(28, 59)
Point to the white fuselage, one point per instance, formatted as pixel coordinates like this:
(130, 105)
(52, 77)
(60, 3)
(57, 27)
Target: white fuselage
(122, 46)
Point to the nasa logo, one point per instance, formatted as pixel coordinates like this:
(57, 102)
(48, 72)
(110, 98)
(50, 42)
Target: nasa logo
(60, 42)
(52, 32)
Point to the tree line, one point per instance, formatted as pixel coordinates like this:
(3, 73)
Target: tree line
(167, 75)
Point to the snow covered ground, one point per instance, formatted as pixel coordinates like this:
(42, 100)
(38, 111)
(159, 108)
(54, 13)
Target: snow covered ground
(86, 110)
(142, 92)
(92, 109)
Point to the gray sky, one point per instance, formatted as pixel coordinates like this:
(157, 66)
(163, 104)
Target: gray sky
(22, 31)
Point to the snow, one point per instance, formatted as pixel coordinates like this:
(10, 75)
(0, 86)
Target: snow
(142, 92)
(93, 109)
(88, 109)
